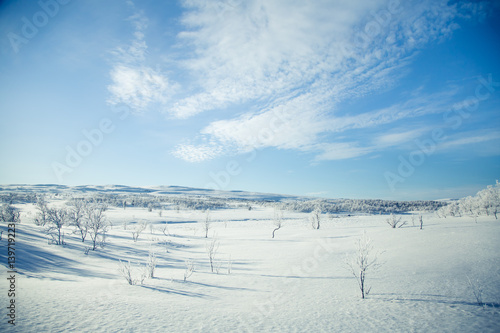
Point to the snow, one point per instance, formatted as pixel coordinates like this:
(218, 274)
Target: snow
(296, 282)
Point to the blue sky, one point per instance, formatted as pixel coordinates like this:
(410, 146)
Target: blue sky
(358, 99)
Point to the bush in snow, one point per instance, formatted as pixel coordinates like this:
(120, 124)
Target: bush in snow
(395, 221)
(138, 230)
(151, 265)
(211, 248)
(9, 213)
(128, 273)
(476, 289)
(189, 269)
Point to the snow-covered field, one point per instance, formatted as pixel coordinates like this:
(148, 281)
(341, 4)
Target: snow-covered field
(296, 282)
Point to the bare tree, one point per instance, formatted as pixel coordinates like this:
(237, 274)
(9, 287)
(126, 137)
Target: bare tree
(362, 262)
(212, 248)
(127, 271)
(395, 221)
(97, 223)
(164, 229)
(77, 217)
(41, 216)
(57, 218)
(189, 269)
(138, 229)
(421, 220)
(151, 264)
(278, 220)
(477, 290)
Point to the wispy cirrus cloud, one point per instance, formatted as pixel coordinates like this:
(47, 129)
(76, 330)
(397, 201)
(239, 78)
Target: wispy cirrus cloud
(133, 82)
(470, 138)
(287, 67)
(305, 60)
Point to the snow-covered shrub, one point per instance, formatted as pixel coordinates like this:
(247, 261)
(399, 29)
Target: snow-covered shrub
(485, 202)
(211, 248)
(476, 288)
(133, 278)
(151, 264)
(139, 228)
(9, 213)
(189, 269)
(395, 221)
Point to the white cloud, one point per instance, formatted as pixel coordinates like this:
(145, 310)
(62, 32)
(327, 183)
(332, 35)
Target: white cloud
(199, 153)
(289, 58)
(138, 87)
(262, 49)
(305, 60)
(395, 139)
(341, 151)
(134, 83)
(464, 139)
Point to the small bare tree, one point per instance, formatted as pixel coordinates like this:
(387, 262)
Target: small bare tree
(278, 220)
(477, 290)
(57, 218)
(363, 262)
(125, 270)
(189, 269)
(151, 264)
(212, 248)
(97, 223)
(42, 208)
(77, 217)
(164, 229)
(395, 221)
(421, 220)
(137, 231)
